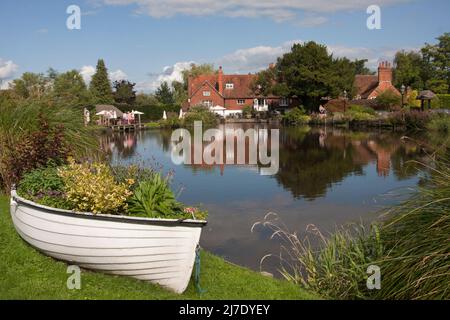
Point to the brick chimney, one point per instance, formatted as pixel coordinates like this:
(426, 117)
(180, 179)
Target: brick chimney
(220, 80)
(384, 72)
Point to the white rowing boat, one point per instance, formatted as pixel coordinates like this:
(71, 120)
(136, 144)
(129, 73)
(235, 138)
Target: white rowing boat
(161, 251)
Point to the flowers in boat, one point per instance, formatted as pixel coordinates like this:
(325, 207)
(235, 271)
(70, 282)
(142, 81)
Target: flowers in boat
(99, 188)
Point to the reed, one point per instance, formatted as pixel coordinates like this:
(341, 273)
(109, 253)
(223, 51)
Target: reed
(410, 243)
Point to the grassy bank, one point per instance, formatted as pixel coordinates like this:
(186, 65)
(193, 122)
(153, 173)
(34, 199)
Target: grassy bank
(27, 274)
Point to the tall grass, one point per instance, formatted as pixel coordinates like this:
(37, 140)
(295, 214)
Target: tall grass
(417, 236)
(410, 243)
(19, 119)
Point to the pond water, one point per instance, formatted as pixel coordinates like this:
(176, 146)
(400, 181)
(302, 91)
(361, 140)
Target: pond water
(327, 178)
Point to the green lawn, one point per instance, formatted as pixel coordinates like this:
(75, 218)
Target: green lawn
(27, 274)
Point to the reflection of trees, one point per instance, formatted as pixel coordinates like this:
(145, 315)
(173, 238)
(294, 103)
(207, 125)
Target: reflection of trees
(307, 170)
(311, 163)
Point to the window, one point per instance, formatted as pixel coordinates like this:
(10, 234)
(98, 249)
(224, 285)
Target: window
(284, 102)
(229, 86)
(207, 103)
(206, 93)
(241, 101)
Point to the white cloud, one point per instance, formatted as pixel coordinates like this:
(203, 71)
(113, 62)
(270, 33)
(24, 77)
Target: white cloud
(277, 10)
(117, 75)
(4, 84)
(254, 59)
(258, 58)
(169, 74)
(88, 71)
(7, 69)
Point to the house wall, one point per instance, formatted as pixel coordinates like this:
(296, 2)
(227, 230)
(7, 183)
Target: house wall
(198, 97)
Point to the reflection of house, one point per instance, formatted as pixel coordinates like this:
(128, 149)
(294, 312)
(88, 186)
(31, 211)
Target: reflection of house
(370, 86)
(230, 91)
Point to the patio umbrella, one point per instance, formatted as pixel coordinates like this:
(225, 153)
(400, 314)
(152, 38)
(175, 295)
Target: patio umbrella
(181, 114)
(164, 115)
(138, 113)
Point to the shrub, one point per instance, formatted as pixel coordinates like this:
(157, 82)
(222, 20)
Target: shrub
(93, 188)
(296, 116)
(415, 120)
(440, 123)
(154, 198)
(444, 101)
(202, 114)
(388, 100)
(360, 113)
(44, 186)
(34, 132)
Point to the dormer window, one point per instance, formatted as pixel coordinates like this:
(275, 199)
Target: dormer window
(206, 93)
(229, 86)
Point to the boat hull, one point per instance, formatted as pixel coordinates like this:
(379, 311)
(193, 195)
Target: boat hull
(156, 250)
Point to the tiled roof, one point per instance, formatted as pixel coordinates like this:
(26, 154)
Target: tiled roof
(365, 84)
(241, 85)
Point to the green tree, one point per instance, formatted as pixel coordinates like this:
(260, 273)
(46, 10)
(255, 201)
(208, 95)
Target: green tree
(179, 92)
(437, 68)
(310, 72)
(100, 86)
(408, 69)
(124, 92)
(165, 95)
(31, 85)
(69, 89)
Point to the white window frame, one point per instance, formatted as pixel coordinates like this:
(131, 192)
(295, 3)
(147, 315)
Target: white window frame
(240, 101)
(284, 102)
(207, 103)
(207, 93)
(229, 86)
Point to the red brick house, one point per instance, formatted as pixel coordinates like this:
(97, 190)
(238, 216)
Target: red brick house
(228, 94)
(370, 86)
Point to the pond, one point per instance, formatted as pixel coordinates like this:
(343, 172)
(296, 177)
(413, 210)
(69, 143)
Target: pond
(327, 178)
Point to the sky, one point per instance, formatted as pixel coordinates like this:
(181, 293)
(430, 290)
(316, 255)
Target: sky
(150, 41)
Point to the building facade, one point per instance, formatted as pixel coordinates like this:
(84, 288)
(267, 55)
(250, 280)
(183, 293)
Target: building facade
(371, 86)
(228, 94)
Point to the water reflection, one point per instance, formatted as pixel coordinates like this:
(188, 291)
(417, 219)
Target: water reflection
(326, 177)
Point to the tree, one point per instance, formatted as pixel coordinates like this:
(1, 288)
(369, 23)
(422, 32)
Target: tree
(100, 86)
(164, 94)
(360, 67)
(143, 99)
(70, 89)
(309, 72)
(408, 68)
(179, 92)
(124, 92)
(437, 68)
(31, 85)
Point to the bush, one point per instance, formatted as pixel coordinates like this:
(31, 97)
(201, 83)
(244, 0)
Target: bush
(440, 123)
(44, 186)
(444, 101)
(360, 113)
(93, 188)
(32, 133)
(388, 100)
(202, 114)
(296, 116)
(415, 120)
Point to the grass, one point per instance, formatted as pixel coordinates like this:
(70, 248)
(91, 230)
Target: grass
(410, 244)
(27, 274)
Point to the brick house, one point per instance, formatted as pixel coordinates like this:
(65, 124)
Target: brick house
(228, 94)
(368, 87)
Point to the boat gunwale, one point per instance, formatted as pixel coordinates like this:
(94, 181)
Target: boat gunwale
(108, 217)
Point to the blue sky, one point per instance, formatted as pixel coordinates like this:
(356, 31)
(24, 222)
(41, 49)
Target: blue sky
(147, 41)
